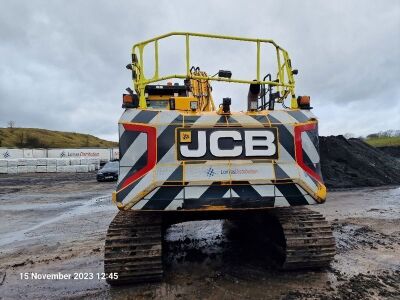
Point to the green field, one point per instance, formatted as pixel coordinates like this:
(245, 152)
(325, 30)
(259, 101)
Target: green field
(42, 138)
(383, 141)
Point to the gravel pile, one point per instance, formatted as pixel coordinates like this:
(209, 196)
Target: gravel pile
(353, 163)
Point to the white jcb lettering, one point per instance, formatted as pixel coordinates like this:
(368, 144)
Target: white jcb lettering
(256, 143)
(216, 151)
(265, 139)
(201, 148)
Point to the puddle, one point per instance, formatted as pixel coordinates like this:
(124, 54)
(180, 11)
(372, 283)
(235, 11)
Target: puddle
(93, 205)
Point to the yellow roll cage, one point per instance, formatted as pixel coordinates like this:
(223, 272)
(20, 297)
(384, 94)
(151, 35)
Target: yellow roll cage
(284, 66)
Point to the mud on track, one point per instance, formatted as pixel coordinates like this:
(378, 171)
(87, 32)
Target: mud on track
(54, 223)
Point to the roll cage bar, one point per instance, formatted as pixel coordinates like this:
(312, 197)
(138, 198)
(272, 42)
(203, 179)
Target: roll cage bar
(284, 83)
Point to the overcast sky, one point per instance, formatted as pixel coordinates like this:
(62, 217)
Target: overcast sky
(62, 63)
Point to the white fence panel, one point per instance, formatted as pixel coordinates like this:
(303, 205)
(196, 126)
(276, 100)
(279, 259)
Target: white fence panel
(102, 154)
(6, 153)
(39, 153)
(28, 153)
(115, 153)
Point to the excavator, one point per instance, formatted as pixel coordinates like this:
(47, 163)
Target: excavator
(182, 158)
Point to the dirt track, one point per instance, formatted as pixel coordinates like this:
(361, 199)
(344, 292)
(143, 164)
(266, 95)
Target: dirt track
(56, 224)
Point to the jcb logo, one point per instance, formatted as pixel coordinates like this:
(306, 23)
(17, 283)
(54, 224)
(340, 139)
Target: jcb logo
(229, 143)
(185, 136)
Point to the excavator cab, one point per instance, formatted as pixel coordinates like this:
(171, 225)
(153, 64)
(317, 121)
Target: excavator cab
(191, 96)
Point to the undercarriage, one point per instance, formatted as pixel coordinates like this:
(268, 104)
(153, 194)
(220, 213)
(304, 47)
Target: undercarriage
(300, 238)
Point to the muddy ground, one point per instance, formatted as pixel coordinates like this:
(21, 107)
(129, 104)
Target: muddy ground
(56, 223)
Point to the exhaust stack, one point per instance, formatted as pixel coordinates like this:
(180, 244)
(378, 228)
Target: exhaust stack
(252, 96)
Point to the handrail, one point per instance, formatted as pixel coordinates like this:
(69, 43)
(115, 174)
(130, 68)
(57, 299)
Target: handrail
(140, 81)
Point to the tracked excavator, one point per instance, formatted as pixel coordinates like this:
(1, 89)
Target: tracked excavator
(183, 159)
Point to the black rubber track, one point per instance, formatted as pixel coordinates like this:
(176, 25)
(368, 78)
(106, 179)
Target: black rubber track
(308, 239)
(133, 248)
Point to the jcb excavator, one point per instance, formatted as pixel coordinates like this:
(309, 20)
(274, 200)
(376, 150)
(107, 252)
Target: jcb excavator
(182, 159)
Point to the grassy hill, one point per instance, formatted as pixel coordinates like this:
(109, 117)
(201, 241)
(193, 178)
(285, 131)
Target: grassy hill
(42, 138)
(383, 141)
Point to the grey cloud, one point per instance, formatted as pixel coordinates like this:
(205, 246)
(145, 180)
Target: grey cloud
(62, 62)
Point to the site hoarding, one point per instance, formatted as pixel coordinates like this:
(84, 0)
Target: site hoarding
(104, 154)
